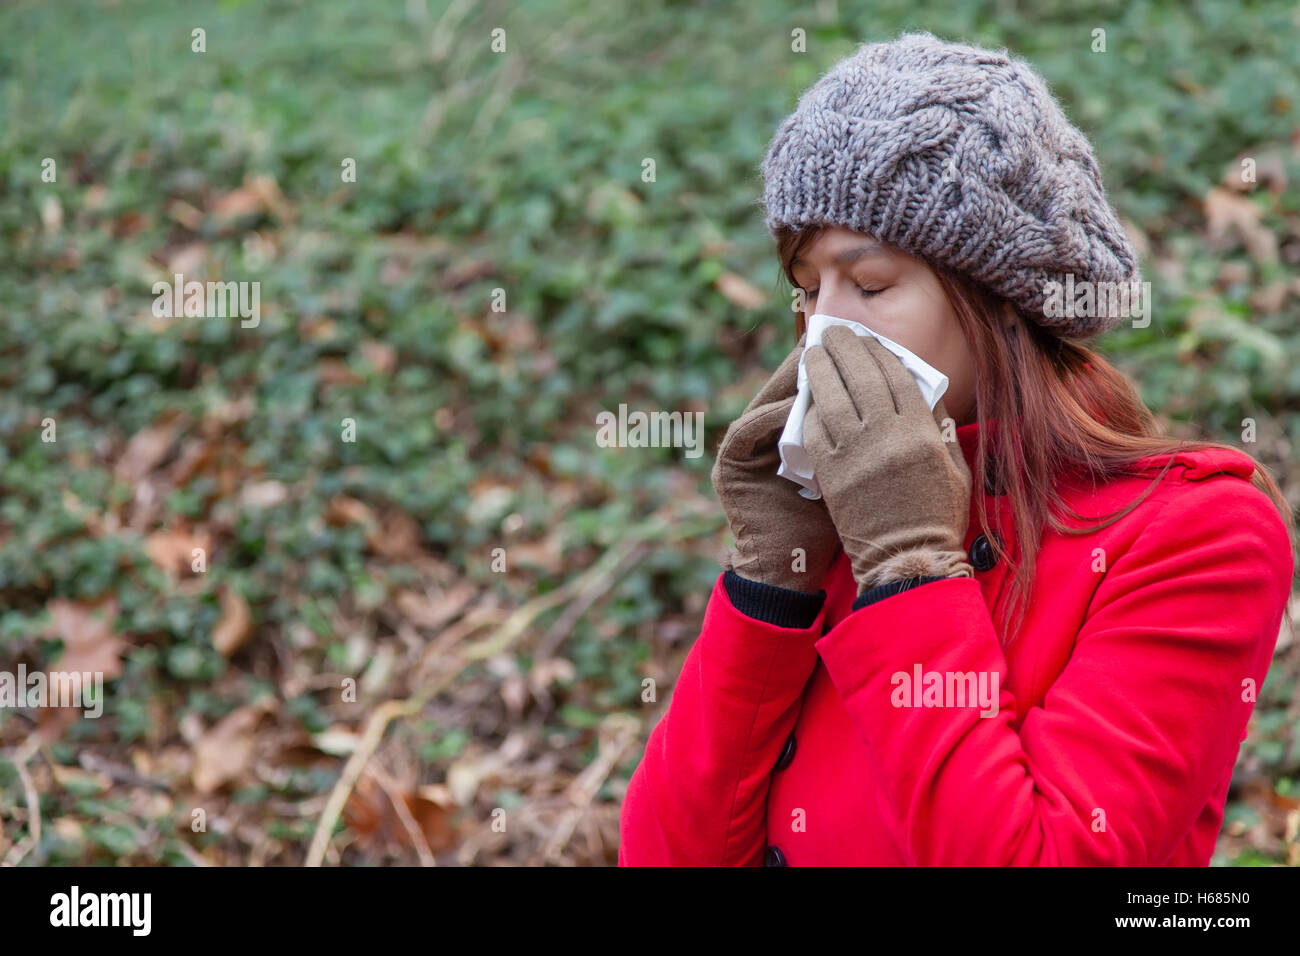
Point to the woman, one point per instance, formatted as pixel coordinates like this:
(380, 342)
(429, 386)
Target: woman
(1055, 666)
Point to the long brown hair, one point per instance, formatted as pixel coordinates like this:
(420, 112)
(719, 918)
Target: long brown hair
(1066, 410)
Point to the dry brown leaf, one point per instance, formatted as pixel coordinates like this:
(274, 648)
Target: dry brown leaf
(344, 510)
(1270, 170)
(86, 630)
(147, 449)
(433, 612)
(317, 328)
(196, 456)
(263, 494)
(544, 554)
(399, 537)
(236, 204)
(172, 549)
(369, 813)
(462, 275)
(257, 194)
(1227, 213)
(51, 722)
(187, 259)
(129, 223)
(332, 371)
(185, 214)
(236, 625)
(268, 192)
(381, 355)
(52, 215)
(740, 291)
(224, 754)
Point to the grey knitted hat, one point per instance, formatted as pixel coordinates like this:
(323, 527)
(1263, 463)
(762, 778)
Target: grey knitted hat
(958, 155)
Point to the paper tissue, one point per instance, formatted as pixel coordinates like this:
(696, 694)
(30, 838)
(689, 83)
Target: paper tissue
(795, 463)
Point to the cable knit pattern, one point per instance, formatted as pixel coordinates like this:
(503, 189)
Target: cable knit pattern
(956, 154)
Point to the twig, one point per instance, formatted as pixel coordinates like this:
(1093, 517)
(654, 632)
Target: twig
(19, 759)
(118, 773)
(561, 629)
(374, 731)
(404, 814)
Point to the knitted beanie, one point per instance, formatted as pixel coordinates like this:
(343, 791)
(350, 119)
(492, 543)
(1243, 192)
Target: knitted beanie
(958, 155)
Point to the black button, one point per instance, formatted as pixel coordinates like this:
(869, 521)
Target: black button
(773, 857)
(982, 556)
(787, 754)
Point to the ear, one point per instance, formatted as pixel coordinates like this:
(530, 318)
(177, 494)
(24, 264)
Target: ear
(1008, 314)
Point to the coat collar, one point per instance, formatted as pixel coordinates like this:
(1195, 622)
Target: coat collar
(1196, 464)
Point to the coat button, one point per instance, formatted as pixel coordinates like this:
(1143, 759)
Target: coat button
(787, 754)
(982, 556)
(773, 857)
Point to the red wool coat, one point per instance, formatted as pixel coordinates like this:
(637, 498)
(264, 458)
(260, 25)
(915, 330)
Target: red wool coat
(1121, 704)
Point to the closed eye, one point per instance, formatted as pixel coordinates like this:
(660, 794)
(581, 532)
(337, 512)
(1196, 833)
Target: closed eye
(866, 293)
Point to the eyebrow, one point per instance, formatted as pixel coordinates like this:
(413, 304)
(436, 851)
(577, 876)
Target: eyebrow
(850, 255)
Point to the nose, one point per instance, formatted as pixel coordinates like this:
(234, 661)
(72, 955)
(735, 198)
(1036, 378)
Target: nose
(834, 297)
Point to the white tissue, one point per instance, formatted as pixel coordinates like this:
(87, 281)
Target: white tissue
(795, 463)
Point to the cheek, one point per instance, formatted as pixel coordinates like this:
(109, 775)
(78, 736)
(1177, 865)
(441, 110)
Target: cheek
(928, 328)
(919, 324)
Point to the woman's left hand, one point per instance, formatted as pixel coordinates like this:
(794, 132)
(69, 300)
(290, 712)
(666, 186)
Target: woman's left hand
(899, 495)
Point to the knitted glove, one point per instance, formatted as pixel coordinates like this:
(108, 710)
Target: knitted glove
(768, 517)
(898, 493)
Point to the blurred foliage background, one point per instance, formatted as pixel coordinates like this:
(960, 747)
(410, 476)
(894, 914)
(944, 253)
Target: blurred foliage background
(228, 736)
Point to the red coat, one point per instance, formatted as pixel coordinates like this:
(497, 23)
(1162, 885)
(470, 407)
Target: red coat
(1121, 705)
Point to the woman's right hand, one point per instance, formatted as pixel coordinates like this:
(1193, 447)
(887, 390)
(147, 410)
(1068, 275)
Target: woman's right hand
(769, 519)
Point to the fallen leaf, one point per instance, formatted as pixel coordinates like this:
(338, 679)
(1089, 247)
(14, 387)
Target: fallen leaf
(172, 549)
(462, 275)
(89, 643)
(263, 494)
(236, 204)
(343, 510)
(431, 612)
(1227, 213)
(236, 625)
(336, 741)
(185, 214)
(224, 754)
(187, 259)
(147, 449)
(399, 537)
(317, 328)
(370, 814)
(52, 215)
(332, 371)
(195, 456)
(381, 355)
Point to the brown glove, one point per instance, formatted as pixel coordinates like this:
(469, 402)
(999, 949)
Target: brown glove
(768, 517)
(898, 493)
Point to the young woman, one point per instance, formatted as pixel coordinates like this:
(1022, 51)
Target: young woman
(1052, 665)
